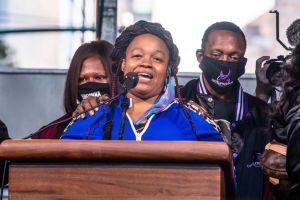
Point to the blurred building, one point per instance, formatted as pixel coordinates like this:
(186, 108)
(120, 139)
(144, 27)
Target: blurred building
(47, 49)
(261, 32)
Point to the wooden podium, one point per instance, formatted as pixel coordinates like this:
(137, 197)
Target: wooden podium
(118, 170)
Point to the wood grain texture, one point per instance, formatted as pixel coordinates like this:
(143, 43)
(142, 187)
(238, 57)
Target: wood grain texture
(89, 150)
(114, 182)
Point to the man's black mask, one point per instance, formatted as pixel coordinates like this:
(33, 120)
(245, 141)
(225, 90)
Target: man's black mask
(222, 76)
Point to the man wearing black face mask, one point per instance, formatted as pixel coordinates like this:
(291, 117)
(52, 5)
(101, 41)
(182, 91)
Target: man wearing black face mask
(222, 62)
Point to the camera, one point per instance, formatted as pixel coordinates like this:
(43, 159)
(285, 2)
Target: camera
(274, 73)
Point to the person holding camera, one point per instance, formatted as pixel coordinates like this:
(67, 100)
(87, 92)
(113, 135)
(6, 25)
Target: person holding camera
(268, 69)
(269, 77)
(286, 131)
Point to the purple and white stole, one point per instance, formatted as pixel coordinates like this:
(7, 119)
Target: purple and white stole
(241, 106)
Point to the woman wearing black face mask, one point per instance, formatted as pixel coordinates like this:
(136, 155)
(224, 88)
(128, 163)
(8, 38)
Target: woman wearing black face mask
(89, 75)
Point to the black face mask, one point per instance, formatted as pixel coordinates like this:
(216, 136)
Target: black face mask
(92, 89)
(222, 76)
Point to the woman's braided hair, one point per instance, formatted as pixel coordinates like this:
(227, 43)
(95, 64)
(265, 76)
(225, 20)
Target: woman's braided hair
(139, 28)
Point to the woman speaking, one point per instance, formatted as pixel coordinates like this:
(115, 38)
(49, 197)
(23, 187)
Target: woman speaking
(150, 110)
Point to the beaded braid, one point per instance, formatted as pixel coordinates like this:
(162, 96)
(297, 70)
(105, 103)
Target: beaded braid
(97, 121)
(113, 85)
(124, 107)
(187, 114)
(107, 127)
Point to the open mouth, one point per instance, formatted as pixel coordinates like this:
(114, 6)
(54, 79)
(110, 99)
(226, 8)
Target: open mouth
(145, 75)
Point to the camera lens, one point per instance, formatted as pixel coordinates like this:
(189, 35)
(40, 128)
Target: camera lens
(273, 72)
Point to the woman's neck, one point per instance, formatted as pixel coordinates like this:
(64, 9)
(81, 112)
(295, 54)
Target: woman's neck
(139, 105)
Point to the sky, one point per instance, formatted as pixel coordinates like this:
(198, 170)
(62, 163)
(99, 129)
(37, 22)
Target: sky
(188, 21)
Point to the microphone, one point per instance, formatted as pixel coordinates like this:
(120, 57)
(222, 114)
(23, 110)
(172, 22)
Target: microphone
(131, 79)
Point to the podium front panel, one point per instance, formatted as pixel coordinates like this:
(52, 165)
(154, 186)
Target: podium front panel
(114, 181)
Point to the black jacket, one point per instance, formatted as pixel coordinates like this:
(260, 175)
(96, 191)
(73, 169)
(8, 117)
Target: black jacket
(248, 138)
(286, 128)
(293, 145)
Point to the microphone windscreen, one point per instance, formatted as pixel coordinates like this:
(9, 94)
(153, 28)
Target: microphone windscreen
(131, 79)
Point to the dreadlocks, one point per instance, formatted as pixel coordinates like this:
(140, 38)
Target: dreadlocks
(139, 28)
